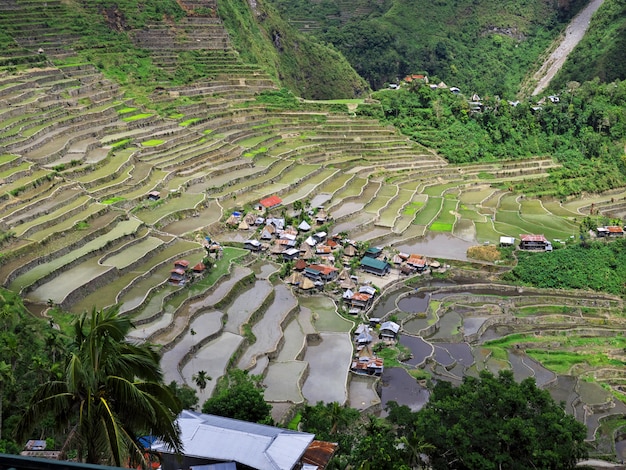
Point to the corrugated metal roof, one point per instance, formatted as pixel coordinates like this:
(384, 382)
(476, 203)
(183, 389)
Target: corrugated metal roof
(255, 445)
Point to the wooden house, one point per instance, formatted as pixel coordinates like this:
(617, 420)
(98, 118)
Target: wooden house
(375, 266)
(270, 202)
(252, 245)
(534, 242)
(181, 264)
(389, 330)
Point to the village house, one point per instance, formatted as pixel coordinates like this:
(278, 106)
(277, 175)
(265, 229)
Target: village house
(199, 268)
(321, 217)
(214, 441)
(154, 196)
(270, 202)
(507, 241)
(357, 301)
(373, 252)
(418, 262)
(534, 242)
(178, 275)
(252, 245)
(615, 231)
(320, 236)
(602, 232)
(366, 362)
(375, 266)
(327, 273)
(389, 331)
(291, 254)
(362, 334)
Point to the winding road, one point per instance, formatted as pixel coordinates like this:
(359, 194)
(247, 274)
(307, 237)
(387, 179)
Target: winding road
(573, 34)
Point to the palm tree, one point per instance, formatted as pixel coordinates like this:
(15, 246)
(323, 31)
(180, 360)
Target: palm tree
(415, 447)
(111, 393)
(201, 379)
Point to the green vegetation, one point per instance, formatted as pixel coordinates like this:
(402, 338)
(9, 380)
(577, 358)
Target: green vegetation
(494, 422)
(311, 69)
(103, 374)
(485, 47)
(152, 142)
(598, 266)
(584, 132)
(600, 53)
(239, 395)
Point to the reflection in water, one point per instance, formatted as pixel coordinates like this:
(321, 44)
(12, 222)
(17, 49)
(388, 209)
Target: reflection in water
(404, 390)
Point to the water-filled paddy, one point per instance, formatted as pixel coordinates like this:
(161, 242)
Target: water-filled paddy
(438, 245)
(282, 381)
(267, 330)
(246, 303)
(204, 218)
(329, 362)
(361, 392)
(324, 312)
(399, 386)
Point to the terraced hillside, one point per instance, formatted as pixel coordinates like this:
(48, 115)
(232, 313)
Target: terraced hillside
(79, 159)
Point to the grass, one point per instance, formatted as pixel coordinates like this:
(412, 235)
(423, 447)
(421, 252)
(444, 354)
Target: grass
(429, 212)
(152, 142)
(412, 208)
(137, 117)
(113, 200)
(189, 122)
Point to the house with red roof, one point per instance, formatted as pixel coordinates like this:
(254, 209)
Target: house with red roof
(615, 231)
(534, 242)
(271, 202)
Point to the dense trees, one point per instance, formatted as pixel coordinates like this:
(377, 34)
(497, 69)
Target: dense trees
(22, 368)
(494, 422)
(484, 47)
(584, 131)
(598, 265)
(111, 393)
(488, 422)
(239, 395)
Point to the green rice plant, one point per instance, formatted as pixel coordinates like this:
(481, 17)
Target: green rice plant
(126, 110)
(152, 142)
(113, 200)
(428, 212)
(412, 208)
(446, 218)
(137, 117)
(189, 122)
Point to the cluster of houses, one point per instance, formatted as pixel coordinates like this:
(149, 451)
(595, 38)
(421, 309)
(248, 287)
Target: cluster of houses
(609, 231)
(181, 274)
(365, 360)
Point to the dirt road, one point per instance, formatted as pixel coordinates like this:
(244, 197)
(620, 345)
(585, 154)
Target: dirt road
(573, 34)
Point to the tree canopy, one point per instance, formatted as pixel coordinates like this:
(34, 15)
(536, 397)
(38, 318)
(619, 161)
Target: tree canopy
(239, 395)
(110, 394)
(494, 422)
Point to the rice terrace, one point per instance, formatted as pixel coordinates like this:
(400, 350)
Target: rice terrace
(104, 194)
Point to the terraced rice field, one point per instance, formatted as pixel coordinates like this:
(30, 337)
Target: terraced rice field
(79, 159)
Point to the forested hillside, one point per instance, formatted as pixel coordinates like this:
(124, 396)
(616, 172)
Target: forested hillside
(485, 47)
(601, 52)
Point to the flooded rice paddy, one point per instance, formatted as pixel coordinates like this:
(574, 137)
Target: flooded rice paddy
(303, 349)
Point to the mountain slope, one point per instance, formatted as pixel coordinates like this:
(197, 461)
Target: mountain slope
(482, 46)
